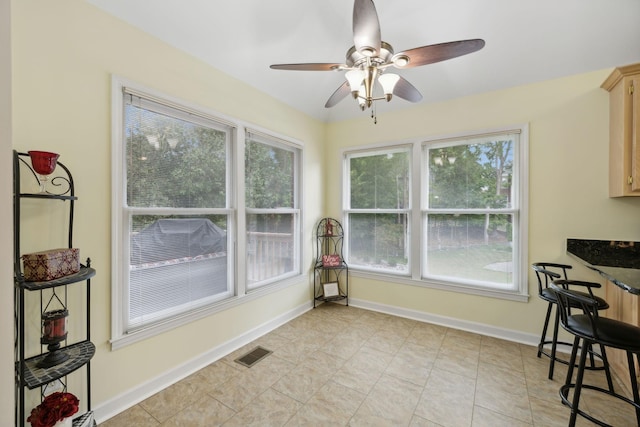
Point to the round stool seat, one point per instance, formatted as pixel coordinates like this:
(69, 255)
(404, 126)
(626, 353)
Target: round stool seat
(548, 294)
(610, 332)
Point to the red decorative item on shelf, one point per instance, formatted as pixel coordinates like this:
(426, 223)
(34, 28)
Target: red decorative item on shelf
(51, 264)
(57, 406)
(44, 162)
(330, 260)
(54, 326)
(329, 228)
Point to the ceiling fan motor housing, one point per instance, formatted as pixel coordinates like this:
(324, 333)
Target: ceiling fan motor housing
(356, 59)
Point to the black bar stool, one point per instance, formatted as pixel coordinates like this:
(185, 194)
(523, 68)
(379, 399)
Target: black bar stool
(546, 274)
(589, 327)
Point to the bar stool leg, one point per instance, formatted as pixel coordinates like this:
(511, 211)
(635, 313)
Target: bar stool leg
(634, 384)
(554, 344)
(544, 329)
(592, 359)
(572, 360)
(607, 372)
(578, 387)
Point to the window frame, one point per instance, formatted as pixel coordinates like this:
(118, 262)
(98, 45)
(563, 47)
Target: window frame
(418, 217)
(235, 211)
(294, 210)
(349, 210)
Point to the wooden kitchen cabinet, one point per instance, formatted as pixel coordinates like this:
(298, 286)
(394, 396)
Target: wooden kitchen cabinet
(623, 86)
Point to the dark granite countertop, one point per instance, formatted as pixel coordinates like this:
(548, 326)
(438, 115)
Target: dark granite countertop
(616, 261)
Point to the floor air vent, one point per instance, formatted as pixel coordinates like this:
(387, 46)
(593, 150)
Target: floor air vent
(253, 357)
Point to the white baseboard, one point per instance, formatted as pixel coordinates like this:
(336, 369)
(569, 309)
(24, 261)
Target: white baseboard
(478, 328)
(136, 395)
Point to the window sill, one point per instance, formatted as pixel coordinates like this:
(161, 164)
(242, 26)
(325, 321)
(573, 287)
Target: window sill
(234, 301)
(442, 285)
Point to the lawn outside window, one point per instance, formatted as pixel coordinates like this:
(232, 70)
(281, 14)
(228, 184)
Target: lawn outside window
(462, 209)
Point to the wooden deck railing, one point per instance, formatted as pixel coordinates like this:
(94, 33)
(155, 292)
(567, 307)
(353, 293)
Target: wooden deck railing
(269, 255)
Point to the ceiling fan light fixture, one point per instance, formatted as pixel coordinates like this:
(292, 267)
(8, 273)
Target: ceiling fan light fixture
(367, 51)
(401, 61)
(355, 78)
(388, 82)
(361, 96)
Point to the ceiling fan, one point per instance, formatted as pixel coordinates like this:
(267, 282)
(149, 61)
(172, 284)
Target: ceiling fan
(368, 60)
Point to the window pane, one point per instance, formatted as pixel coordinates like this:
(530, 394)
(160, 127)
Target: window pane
(379, 241)
(269, 176)
(176, 263)
(380, 181)
(173, 162)
(471, 176)
(270, 246)
(473, 247)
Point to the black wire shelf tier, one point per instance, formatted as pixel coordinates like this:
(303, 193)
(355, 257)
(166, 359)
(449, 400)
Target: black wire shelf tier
(333, 298)
(321, 266)
(85, 273)
(79, 354)
(47, 196)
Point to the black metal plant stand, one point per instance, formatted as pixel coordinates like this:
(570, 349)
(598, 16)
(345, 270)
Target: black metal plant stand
(61, 357)
(331, 272)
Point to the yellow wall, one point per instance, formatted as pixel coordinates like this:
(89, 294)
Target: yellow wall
(64, 54)
(6, 230)
(568, 160)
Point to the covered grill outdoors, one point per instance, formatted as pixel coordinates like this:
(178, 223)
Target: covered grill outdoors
(175, 262)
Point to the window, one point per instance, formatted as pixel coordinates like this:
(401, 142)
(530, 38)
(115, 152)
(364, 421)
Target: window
(178, 219)
(378, 210)
(271, 170)
(176, 210)
(470, 217)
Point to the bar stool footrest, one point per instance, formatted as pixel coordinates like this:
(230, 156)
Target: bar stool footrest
(564, 393)
(547, 353)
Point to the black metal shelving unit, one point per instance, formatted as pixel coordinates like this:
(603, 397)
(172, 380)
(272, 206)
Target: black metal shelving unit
(28, 373)
(329, 243)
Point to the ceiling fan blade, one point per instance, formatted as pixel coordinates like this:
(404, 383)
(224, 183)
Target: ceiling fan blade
(366, 27)
(307, 67)
(406, 90)
(338, 95)
(439, 52)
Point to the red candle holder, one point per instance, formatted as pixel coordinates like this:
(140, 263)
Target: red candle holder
(54, 326)
(44, 163)
(329, 228)
(54, 331)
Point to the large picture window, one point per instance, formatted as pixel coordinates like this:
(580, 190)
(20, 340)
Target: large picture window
(204, 211)
(471, 215)
(176, 210)
(471, 210)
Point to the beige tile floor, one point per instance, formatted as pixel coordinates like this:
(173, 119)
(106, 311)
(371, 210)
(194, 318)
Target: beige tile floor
(344, 366)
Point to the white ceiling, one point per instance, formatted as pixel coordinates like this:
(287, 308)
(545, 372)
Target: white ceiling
(526, 41)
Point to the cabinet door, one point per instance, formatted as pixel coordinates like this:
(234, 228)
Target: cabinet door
(633, 93)
(623, 86)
